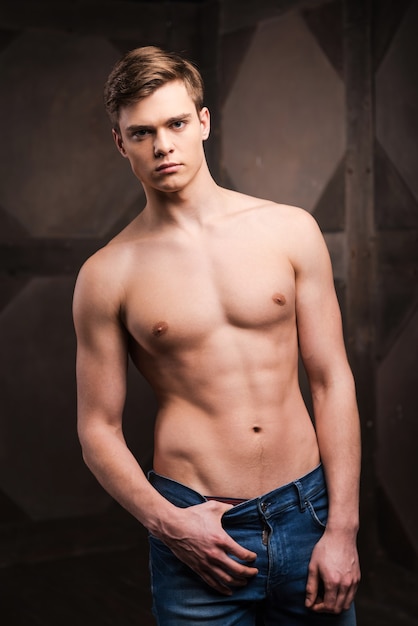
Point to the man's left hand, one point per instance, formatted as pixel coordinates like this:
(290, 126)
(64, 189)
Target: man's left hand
(334, 573)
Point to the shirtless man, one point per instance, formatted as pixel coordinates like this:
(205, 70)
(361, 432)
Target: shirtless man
(211, 293)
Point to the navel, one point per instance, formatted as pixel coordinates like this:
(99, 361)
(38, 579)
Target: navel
(256, 429)
(279, 299)
(160, 328)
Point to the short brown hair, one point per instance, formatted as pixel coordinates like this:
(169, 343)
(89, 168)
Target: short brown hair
(143, 70)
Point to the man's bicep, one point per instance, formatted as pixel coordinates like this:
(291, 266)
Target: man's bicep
(318, 313)
(101, 358)
(101, 374)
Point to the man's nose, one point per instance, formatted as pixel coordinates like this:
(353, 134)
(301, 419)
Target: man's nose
(162, 144)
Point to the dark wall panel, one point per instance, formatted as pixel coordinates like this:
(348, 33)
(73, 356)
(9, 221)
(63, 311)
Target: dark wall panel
(64, 192)
(287, 92)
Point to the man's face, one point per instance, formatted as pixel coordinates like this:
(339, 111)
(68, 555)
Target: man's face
(162, 137)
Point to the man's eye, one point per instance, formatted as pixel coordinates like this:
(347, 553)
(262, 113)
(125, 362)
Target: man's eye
(178, 124)
(141, 133)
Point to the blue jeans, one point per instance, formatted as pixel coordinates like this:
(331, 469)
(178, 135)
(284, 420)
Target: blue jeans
(282, 528)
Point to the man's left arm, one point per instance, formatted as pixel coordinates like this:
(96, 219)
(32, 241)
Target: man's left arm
(334, 571)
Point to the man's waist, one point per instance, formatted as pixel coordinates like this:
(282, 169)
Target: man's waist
(298, 490)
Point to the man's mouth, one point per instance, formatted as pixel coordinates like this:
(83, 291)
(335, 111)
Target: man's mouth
(167, 168)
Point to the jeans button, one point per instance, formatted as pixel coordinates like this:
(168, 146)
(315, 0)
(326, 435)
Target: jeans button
(263, 507)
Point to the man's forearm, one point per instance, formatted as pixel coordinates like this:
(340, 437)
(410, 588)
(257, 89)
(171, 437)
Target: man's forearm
(338, 433)
(116, 469)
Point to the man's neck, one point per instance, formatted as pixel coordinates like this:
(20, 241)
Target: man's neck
(191, 206)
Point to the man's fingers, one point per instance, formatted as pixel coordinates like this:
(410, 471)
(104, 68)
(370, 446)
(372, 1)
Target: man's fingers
(216, 584)
(241, 553)
(312, 587)
(217, 558)
(229, 578)
(343, 598)
(346, 596)
(235, 549)
(231, 546)
(223, 579)
(231, 568)
(334, 599)
(330, 602)
(223, 572)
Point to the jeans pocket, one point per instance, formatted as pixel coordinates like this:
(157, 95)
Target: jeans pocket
(317, 506)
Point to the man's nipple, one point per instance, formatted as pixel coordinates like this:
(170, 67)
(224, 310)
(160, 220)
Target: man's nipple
(160, 328)
(279, 299)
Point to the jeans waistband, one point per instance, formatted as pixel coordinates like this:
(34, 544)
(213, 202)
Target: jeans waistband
(297, 492)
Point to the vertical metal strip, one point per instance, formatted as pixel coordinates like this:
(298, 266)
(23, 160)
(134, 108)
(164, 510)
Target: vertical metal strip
(361, 249)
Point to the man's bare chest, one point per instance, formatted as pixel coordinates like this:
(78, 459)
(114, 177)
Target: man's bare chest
(187, 295)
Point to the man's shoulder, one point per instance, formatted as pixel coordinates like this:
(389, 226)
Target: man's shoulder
(100, 281)
(111, 259)
(274, 211)
(104, 262)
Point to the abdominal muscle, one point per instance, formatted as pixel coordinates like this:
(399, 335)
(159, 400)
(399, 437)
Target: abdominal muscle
(237, 427)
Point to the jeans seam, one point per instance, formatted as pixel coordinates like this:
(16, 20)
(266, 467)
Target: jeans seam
(314, 515)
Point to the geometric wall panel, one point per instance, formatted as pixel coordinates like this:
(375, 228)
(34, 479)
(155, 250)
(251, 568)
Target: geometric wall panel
(10, 287)
(396, 298)
(234, 47)
(387, 16)
(325, 22)
(397, 100)
(40, 462)
(337, 247)
(397, 427)
(283, 122)
(9, 511)
(396, 217)
(10, 228)
(61, 173)
(396, 286)
(396, 207)
(330, 208)
(10, 284)
(41, 468)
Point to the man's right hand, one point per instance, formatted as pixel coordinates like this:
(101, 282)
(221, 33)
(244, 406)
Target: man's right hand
(195, 535)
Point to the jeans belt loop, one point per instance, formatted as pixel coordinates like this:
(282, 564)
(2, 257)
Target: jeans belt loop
(302, 499)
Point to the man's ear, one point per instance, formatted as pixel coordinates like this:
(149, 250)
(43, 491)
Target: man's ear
(119, 142)
(204, 116)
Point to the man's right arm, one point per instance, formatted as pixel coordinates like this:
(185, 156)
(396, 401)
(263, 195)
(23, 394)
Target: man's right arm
(102, 357)
(195, 534)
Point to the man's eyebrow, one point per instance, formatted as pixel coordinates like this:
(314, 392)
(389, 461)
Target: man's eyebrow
(171, 120)
(177, 118)
(136, 127)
